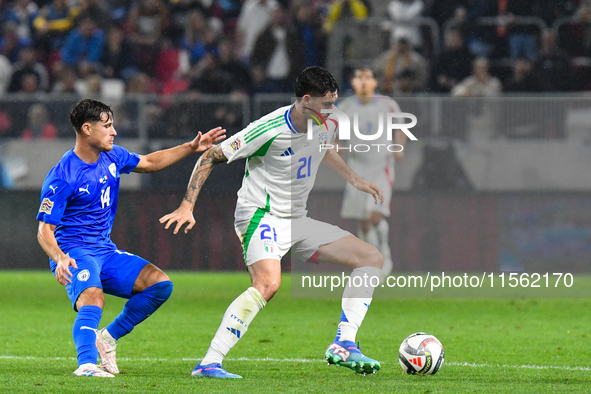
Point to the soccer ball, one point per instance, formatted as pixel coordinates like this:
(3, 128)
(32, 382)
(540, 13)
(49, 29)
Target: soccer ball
(421, 354)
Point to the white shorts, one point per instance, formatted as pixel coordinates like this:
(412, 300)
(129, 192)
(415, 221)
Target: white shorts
(266, 236)
(358, 204)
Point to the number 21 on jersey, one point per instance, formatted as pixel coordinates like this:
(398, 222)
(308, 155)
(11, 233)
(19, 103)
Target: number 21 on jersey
(305, 167)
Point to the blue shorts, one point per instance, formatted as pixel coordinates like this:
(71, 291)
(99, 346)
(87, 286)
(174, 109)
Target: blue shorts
(112, 270)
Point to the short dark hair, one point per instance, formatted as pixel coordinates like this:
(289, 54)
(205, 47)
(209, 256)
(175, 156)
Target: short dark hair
(316, 82)
(88, 110)
(364, 68)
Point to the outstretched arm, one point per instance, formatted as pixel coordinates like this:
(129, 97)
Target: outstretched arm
(156, 161)
(334, 161)
(184, 213)
(46, 238)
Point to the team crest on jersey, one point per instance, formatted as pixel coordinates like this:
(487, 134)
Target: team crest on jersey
(113, 169)
(46, 206)
(103, 179)
(235, 145)
(83, 275)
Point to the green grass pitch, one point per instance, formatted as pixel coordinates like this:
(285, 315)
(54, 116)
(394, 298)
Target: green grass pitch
(491, 345)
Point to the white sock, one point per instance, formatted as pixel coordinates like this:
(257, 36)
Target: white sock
(383, 231)
(356, 301)
(235, 322)
(372, 238)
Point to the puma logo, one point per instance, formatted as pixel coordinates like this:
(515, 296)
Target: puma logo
(84, 190)
(53, 189)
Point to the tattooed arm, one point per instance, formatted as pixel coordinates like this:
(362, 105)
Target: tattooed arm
(184, 213)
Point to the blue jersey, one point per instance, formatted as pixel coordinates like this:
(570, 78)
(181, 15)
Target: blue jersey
(81, 198)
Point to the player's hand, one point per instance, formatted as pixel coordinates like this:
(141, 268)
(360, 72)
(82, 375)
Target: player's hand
(205, 141)
(62, 271)
(398, 156)
(183, 214)
(371, 188)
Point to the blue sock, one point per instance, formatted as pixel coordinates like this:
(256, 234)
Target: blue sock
(139, 307)
(84, 332)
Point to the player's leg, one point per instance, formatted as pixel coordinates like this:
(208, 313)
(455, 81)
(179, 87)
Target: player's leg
(381, 230)
(266, 278)
(88, 300)
(147, 288)
(366, 262)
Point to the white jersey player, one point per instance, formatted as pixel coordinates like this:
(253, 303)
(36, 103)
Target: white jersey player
(375, 165)
(270, 218)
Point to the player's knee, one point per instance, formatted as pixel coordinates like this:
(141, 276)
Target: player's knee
(268, 288)
(163, 290)
(91, 296)
(374, 258)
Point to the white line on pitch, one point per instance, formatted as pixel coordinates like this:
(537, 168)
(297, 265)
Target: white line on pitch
(307, 360)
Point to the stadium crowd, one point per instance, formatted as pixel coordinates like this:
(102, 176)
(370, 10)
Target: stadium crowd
(252, 46)
(93, 48)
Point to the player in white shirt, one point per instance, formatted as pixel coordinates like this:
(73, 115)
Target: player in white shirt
(375, 165)
(270, 218)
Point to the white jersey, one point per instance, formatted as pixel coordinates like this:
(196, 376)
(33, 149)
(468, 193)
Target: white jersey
(368, 121)
(281, 164)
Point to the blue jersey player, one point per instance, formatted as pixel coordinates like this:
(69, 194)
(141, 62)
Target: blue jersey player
(78, 204)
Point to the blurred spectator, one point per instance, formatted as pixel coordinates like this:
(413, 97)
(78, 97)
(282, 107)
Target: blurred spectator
(38, 124)
(553, 66)
(522, 38)
(525, 79)
(227, 13)
(148, 21)
(343, 10)
(198, 38)
(22, 13)
(392, 63)
(10, 43)
(180, 13)
(479, 84)
(402, 13)
(580, 44)
(279, 52)
(442, 10)
(208, 78)
(254, 18)
(139, 83)
(93, 86)
(52, 25)
(453, 64)
(29, 84)
(308, 25)
(481, 39)
(405, 84)
(28, 65)
(84, 46)
(118, 58)
(99, 10)
(234, 70)
(5, 73)
(68, 82)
